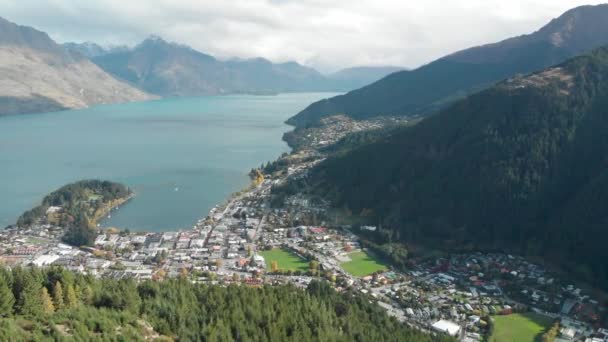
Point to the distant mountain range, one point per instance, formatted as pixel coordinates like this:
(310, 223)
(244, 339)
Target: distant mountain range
(170, 69)
(521, 165)
(348, 78)
(433, 86)
(38, 75)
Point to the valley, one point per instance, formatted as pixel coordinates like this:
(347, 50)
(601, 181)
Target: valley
(460, 200)
(270, 235)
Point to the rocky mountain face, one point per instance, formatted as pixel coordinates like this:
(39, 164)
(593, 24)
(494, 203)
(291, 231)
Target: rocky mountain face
(38, 75)
(433, 86)
(169, 69)
(165, 69)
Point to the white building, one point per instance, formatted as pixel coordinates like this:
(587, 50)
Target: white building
(45, 260)
(53, 209)
(447, 327)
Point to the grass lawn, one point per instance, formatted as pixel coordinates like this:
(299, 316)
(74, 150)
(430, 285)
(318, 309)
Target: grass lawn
(362, 264)
(527, 327)
(286, 260)
(35, 240)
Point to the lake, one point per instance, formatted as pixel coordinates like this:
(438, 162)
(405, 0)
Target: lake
(180, 156)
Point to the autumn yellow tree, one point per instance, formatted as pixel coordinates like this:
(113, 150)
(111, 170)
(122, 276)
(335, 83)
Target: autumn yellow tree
(258, 177)
(274, 266)
(47, 303)
(70, 300)
(183, 273)
(58, 295)
(160, 274)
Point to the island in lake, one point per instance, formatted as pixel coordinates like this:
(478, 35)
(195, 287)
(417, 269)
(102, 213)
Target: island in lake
(77, 207)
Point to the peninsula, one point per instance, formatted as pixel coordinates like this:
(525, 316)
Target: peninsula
(77, 207)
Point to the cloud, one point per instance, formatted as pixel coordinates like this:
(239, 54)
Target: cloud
(322, 33)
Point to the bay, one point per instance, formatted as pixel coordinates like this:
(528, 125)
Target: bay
(181, 156)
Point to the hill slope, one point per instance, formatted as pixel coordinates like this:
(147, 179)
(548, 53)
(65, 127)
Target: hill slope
(520, 165)
(37, 75)
(432, 86)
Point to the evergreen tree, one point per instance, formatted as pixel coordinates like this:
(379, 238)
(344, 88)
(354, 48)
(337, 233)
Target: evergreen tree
(180, 310)
(87, 295)
(7, 299)
(29, 303)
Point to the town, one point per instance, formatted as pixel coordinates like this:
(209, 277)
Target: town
(254, 240)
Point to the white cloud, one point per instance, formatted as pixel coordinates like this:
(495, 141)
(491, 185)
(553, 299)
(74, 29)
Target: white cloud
(326, 34)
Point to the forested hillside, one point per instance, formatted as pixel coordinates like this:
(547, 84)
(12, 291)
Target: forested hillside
(433, 86)
(56, 305)
(78, 206)
(521, 165)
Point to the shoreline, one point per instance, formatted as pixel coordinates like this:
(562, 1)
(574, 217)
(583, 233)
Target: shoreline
(84, 201)
(264, 143)
(156, 98)
(225, 247)
(114, 205)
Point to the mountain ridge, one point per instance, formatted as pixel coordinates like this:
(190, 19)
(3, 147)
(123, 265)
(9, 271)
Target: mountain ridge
(432, 86)
(171, 69)
(38, 75)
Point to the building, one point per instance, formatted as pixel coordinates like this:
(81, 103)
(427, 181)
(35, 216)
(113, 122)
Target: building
(45, 260)
(53, 210)
(447, 327)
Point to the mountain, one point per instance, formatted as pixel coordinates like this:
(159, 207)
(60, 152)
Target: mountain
(357, 77)
(87, 49)
(91, 50)
(38, 75)
(519, 166)
(170, 69)
(432, 86)
(260, 73)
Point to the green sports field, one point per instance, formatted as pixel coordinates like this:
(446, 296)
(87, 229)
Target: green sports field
(527, 327)
(362, 264)
(285, 260)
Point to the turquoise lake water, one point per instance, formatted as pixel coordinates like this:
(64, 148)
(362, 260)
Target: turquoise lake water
(181, 156)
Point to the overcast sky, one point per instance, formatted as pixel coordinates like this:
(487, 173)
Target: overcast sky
(325, 34)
